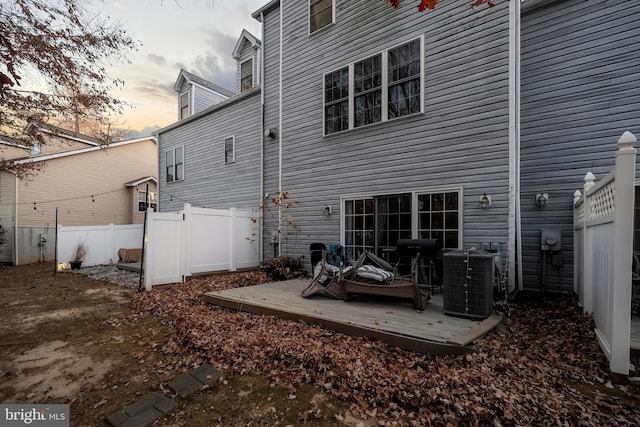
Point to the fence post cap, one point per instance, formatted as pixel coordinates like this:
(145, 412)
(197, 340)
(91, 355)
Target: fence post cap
(576, 196)
(589, 178)
(627, 139)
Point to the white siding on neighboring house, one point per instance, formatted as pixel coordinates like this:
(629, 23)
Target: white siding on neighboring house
(7, 215)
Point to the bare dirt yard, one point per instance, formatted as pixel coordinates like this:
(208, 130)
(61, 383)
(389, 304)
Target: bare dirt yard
(66, 338)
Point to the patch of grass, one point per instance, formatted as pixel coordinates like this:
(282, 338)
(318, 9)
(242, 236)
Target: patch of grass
(252, 400)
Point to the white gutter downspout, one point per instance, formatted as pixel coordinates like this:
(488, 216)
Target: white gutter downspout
(280, 139)
(262, 141)
(515, 241)
(15, 222)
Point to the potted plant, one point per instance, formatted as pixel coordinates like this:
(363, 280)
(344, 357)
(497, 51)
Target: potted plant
(81, 251)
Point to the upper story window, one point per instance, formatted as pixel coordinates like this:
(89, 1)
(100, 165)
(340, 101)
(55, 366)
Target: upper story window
(175, 164)
(230, 149)
(321, 14)
(36, 148)
(184, 105)
(246, 75)
(376, 89)
(336, 101)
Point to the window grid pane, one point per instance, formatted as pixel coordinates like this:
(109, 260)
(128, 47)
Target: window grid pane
(246, 75)
(229, 150)
(404, 80)
(439, 217)
(170, 166)
(359, 231)
(320, 14)
(336, 86)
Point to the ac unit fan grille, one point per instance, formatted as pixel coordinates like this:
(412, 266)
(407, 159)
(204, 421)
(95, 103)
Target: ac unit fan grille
(468, 284)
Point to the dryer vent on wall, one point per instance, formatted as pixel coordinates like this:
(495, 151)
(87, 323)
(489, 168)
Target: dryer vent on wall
(468, 283)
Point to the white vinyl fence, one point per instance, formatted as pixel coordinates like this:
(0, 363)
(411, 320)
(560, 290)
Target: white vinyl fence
(603, 248)
(198, 240)
(102, 242)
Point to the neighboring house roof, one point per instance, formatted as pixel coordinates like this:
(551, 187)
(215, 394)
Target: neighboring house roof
(58, 131)
(245, 36)
(84, 150)
(141, 181)
(12, 142)
(192, 78)
(264, 9)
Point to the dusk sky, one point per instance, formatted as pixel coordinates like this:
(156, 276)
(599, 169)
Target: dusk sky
(198, 35)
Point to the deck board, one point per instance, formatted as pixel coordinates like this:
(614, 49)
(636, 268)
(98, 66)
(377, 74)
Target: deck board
(394, 322)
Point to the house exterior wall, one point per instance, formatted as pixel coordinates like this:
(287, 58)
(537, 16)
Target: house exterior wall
(70, 182)
(270, 84)
(205, 98)
(7, 215)
(87, 189)
(58, 144)
(461, 140)
(9, 152)
(580, 71)
(208, 181)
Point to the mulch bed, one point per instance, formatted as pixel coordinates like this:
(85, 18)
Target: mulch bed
(543, 366)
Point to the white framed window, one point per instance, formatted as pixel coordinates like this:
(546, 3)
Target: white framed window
(229, 149)
(175, 164)
(185, 105)
(143, 202)
(379, 88)
(440, 218)
(246, 75)
(376, 222)
(321, 14)
(359, 229)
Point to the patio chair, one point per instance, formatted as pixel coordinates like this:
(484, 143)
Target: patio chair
(327, 278)
(377, 277)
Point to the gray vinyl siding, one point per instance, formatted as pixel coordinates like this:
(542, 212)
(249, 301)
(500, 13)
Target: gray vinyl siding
(461, 140)
(270, 86)
(7, 215)
(208, 181)
(205, 98)
(580, 68)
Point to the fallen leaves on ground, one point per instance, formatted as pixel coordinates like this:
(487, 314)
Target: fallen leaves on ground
(532, 370)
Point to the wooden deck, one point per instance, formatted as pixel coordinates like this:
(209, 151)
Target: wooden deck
(396, 322)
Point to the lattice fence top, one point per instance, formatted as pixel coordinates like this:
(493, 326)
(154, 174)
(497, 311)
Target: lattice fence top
(602, 201)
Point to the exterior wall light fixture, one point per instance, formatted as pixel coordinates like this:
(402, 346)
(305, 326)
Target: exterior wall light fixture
(542, 199)
(485, 201)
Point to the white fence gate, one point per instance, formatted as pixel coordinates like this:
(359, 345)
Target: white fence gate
(102, 242)
(198, 240)
(603, 251)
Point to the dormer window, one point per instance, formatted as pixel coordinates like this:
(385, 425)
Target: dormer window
(35, 147)
(184, 106)
(321, 14)
(246, 75)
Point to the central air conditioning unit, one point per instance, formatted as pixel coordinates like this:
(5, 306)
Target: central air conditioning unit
(468, 283)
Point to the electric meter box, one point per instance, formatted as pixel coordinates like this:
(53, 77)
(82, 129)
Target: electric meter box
(550, 240)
